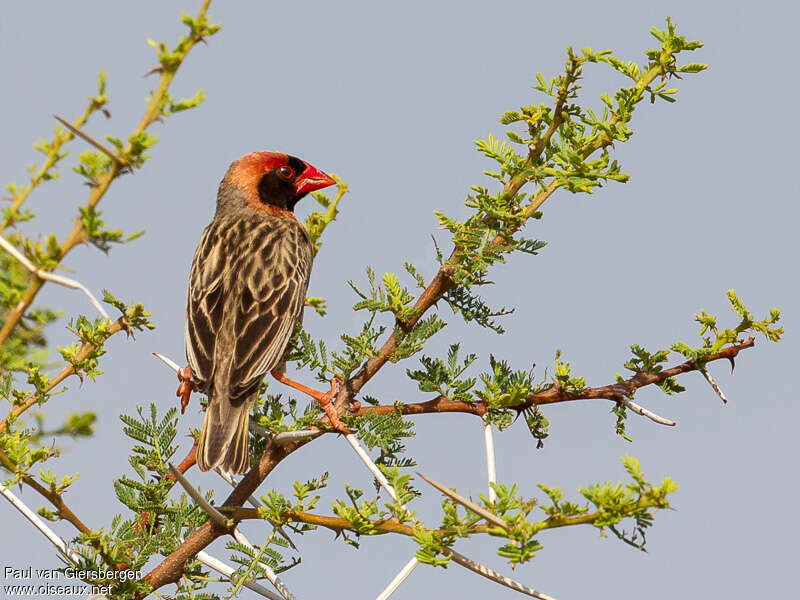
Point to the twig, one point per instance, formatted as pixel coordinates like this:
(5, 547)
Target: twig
(399, 578)
(212, 512)
(51, 535)
(557, 394)
(53, 157)
(467, 503)
(35, 397)
(621, 537)
(41, 274)
(105, 150)
(646, 413)
(155, 108)
(714, 385)
(271, 575)
(255, 504)
(219, 566)
(494, 575)
(491, 472)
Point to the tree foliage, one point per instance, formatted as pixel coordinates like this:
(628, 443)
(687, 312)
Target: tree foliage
(552, 143)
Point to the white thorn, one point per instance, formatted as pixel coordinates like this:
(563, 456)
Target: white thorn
(373, 468)
(646, 413)
(478, 510)
(494, 575)
(714, 385)
(233, 483)
(271, 575)
(491, 473)
(212, 512)
(65, 281)
(293, 436)
(254, 503)
(399, 578)
(171, 364)
(221, 567)
(37, 522)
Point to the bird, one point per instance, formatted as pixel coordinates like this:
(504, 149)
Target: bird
(247, 290)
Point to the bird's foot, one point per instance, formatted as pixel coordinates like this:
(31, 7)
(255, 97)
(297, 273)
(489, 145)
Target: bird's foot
(325, 400)
(326, 403)
(185, 388)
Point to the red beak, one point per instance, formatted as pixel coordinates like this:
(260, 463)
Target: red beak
(312, 179)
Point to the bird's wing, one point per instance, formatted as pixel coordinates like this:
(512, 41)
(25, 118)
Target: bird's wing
(247, 289)
(205, 304)
(268, 301)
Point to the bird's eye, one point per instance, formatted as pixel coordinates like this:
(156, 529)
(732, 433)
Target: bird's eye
(285, 172)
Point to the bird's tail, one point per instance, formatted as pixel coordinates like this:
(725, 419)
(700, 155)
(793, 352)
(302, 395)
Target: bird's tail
(223, 439)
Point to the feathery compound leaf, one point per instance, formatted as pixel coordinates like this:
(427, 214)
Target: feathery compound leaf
(385, 432)
(444, 377)
(473, 308)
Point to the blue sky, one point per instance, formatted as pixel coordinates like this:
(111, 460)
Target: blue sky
(391, 98)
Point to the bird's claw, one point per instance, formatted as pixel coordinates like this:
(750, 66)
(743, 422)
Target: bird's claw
(185, 388)
(325, 400)
(326, 403)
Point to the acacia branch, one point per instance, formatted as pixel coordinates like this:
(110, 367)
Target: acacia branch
(555, 394)
(42, 274)
(393, 525)
(40, 525)
(55, 498)
(171, 568)
(377, 527)
(70, 369)
(77, 236)
(443, 280)
(53, 157)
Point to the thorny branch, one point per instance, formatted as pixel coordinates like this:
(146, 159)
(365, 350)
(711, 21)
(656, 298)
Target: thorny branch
(443, 280)
(169, 571)
(42, 274)
(613, 391)
(77, 236)
(43, 173)
(392, 525)
(63, 511)
(70, 369)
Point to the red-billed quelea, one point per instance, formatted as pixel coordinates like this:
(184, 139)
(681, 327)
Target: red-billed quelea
(247, 289)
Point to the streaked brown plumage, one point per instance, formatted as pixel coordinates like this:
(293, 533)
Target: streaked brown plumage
(247, 289)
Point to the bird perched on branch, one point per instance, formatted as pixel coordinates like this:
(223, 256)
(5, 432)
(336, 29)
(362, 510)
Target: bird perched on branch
(247, 289)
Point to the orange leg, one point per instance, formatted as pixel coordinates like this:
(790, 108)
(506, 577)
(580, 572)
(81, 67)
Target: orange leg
(325, 400)
(185, 388)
